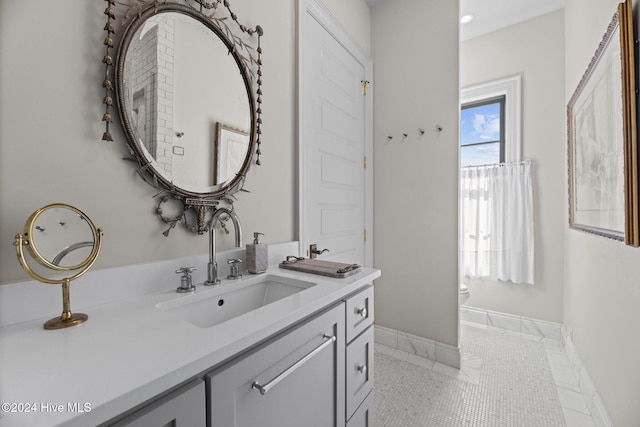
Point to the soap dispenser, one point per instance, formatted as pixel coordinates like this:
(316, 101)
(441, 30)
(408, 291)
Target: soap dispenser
(257, 255)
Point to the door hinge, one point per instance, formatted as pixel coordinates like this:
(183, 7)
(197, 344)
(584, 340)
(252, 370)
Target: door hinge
(365, 235)
(365, 162)
(364, 86)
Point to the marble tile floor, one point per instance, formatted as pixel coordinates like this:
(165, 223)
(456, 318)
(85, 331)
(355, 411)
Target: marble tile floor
(507, 379)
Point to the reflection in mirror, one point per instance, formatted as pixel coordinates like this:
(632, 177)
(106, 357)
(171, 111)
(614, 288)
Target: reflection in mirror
(62, 237)
(231, 148)
(176, 97)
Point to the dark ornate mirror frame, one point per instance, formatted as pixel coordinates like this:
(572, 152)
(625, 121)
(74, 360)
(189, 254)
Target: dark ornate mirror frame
(243, 44)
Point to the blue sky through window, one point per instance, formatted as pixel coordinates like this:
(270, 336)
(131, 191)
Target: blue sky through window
(480, 125)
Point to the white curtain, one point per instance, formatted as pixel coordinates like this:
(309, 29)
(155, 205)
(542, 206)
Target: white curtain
(496, 222)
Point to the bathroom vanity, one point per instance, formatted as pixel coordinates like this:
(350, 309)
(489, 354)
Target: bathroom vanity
(302, 356)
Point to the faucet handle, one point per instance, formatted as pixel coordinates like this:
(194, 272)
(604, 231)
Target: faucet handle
(186, 270)
(186, 286)
(234, 270)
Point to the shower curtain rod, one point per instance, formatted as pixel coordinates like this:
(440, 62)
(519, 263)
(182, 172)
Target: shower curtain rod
(498, 165)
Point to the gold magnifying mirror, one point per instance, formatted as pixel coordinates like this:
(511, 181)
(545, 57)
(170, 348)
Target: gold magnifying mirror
(61, 238)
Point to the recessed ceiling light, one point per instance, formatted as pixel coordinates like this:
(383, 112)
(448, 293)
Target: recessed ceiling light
(466, 18)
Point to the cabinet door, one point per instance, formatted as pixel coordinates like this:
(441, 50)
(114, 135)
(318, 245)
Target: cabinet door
(184, 407)
(359, 370)
(307, 367)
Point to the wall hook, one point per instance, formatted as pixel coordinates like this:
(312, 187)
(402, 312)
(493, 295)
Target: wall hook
(420, 131)
(438, 128)
(389, 138)
(405, 135)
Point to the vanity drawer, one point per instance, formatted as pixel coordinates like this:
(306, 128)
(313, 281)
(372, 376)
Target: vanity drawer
(184, 407)
(364, 416)
(359, 370)
(359, 313)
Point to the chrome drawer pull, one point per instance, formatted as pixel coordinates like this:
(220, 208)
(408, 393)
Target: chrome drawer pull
(362, 312)
(263, 389)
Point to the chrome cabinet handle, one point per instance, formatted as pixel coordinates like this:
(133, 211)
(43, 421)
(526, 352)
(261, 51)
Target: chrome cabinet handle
(263, 389)
(362, 369)
(362, 312)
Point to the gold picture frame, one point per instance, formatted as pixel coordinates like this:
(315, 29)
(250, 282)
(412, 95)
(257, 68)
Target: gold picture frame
(602, 142)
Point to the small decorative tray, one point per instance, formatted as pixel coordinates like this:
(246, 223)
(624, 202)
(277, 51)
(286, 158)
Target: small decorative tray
(322, 268)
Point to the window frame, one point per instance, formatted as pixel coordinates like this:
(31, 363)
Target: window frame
(510, 88)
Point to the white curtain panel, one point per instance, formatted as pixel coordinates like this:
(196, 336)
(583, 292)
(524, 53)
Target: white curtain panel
(496, 222)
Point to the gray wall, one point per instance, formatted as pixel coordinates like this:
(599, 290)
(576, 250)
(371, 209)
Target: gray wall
(534, 50)
(415, 85)
(602, 289)
(50, 130)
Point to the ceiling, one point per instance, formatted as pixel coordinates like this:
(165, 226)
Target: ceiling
(491, 15)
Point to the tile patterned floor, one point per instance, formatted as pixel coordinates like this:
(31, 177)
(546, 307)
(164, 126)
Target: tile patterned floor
(507, 379)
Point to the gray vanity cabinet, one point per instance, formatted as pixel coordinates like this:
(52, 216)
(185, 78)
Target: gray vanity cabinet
(316, 373)
(184, 407)
(301, 374)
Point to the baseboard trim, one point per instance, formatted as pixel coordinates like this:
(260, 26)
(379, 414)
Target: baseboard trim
(422, 347)
(592, 398)
(524, 325)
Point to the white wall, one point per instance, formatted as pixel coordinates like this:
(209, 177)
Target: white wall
(602, 285)
(415, 85)
(355, 17)
(50, 130)
(533, 49)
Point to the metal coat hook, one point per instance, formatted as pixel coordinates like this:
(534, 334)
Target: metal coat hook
(389, 138)
(438, 128)
(420, 131)
(404, 136)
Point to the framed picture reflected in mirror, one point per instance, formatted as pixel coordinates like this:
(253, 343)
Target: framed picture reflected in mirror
(230, 152)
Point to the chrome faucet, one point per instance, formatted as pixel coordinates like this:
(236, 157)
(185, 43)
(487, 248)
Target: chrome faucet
(212, 267)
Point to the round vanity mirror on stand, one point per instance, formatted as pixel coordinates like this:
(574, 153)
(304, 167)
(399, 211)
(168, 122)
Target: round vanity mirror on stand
(61, 238)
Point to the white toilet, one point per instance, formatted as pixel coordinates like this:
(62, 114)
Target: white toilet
(463, 294)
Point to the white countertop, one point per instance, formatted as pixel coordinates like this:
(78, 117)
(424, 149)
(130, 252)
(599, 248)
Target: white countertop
(130, 351)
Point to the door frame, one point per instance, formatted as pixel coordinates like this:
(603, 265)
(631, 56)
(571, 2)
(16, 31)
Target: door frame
(325, 18)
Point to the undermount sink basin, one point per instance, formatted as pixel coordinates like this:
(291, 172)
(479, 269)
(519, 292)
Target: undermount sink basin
(211, 307)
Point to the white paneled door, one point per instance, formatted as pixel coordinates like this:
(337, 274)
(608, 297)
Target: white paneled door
(333, 146)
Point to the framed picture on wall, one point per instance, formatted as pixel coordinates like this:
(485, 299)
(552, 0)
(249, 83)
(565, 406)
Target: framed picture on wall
(602, 145)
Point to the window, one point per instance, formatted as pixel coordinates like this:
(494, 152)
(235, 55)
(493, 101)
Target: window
(482, 132)
(495, 135)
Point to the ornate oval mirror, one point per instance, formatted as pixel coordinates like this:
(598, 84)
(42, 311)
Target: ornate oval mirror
(188, 93)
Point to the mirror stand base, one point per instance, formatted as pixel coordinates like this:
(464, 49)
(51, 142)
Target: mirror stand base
(61, 322)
